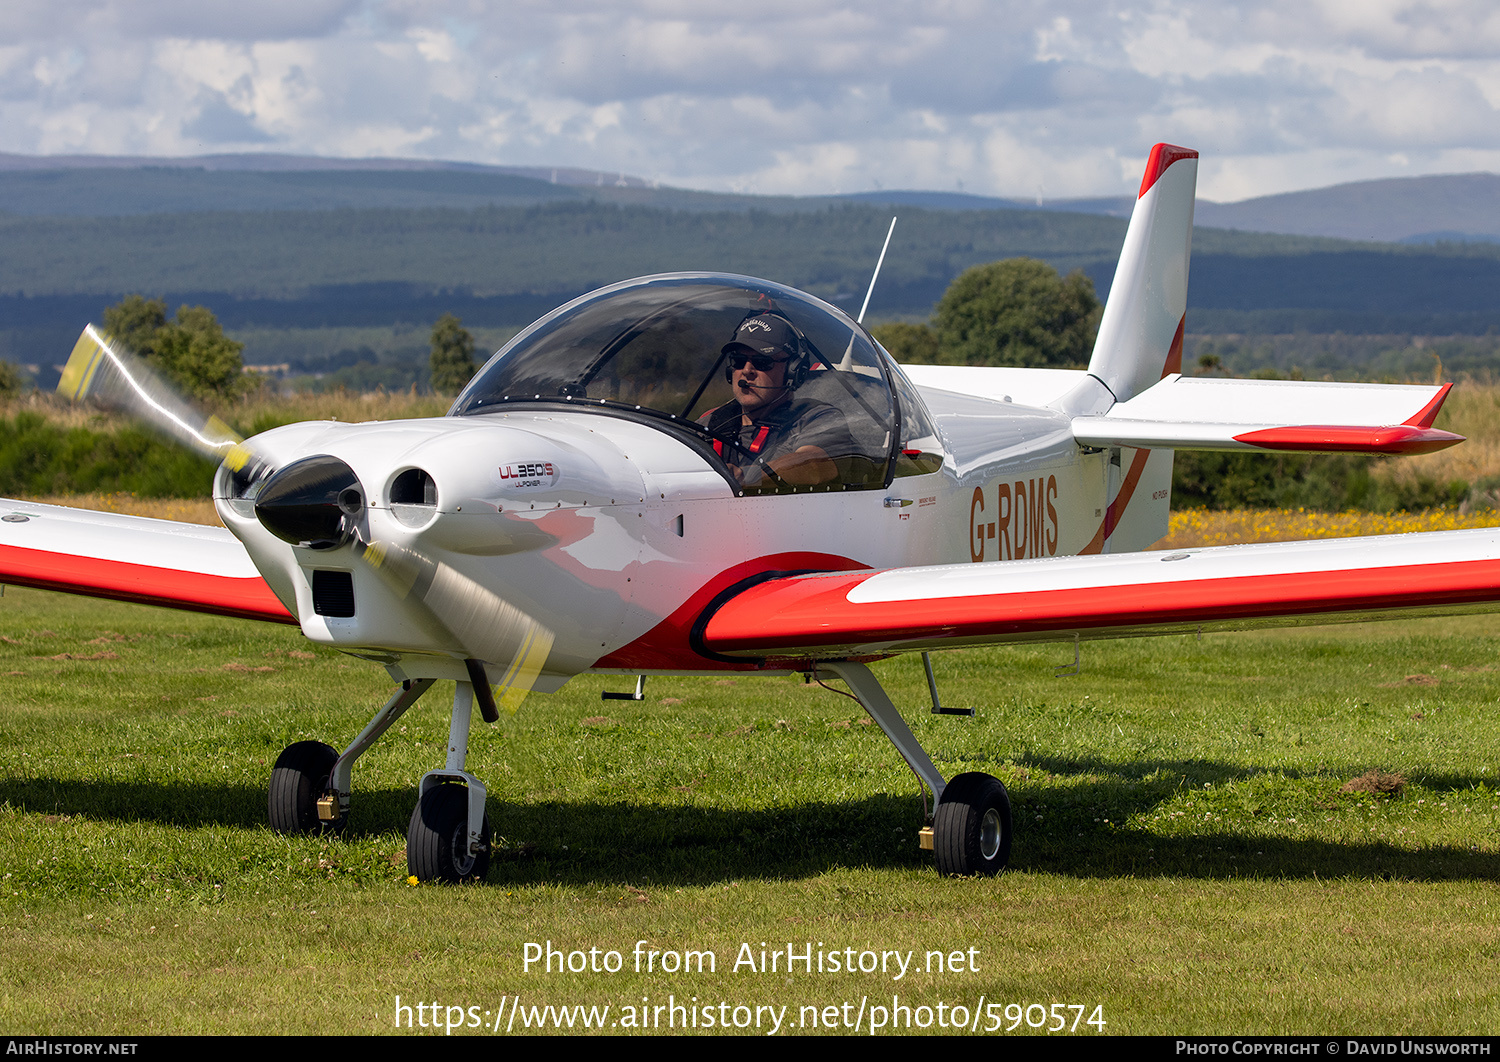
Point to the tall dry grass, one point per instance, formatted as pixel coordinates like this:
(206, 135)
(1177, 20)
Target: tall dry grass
(335, 405)
(253, 412)
(1473, 411)
(183, 510)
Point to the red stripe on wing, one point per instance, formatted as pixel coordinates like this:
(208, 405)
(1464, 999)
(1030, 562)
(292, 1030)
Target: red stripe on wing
(247, 598)
(812, 613)
(668, 645)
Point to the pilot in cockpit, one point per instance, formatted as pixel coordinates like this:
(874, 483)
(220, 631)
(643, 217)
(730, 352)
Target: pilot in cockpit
(766, 433)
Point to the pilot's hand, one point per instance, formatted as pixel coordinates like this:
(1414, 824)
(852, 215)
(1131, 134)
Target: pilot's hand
(806, 466)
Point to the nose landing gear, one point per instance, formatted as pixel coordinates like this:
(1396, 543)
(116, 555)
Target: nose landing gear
(437, 841)
(448, 838)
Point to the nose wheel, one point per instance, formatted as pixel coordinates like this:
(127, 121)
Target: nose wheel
(438, 844)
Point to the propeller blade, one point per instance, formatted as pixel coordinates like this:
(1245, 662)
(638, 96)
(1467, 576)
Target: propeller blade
(101, 370)
(484, 623)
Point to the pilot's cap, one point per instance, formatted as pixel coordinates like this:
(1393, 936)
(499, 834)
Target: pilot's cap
(765, 333)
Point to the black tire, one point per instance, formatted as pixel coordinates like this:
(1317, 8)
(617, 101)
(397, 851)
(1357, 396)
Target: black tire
(301, 776)
(971, 830)
(437, 841)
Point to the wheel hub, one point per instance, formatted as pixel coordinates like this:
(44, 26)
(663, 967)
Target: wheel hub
(463, 858)
(989, 834)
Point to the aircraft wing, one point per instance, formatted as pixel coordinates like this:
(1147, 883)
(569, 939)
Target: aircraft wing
(1193, 413)
(131, 558)
(863, 613)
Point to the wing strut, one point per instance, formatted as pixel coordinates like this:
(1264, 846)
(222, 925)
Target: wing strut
(867, 689)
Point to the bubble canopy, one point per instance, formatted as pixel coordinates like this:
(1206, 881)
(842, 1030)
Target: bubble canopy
(653, 348)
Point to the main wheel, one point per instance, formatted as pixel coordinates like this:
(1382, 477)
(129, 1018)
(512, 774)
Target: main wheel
(971, 828)
(301, 776)
(437, 841)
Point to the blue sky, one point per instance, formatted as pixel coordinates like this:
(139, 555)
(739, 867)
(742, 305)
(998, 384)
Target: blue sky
(1016, 98)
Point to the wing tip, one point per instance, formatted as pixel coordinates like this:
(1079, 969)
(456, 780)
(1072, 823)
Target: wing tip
(1424, 417)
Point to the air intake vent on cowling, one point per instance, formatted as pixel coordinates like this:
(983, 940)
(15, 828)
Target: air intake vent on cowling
(333, 593)
(413, 497)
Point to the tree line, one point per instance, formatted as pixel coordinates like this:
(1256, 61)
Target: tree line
(1016, 312)
(191, 352)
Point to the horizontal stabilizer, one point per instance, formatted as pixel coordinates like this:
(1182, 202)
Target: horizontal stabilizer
(1024, 387)
(851, 614)
(132, 558)
(1186, 413)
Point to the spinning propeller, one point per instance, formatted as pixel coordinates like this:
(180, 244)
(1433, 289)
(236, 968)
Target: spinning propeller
(319, 503)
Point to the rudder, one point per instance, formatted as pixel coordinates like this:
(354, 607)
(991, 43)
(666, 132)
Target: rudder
(1140, 335)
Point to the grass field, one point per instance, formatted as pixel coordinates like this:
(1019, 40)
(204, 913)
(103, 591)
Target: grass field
(1187, 857)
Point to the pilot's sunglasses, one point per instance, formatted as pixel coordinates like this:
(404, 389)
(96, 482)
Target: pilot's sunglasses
(762, 362)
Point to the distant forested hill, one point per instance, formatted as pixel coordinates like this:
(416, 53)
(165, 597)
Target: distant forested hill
(1405, 209)
(499, 264)
(328, 251)
(555, 247)
(161, 190)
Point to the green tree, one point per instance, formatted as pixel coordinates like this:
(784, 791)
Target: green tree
(1017, 312)
(134, 321)
(910, 344)
(190, 350)
(12, 379)
(452, 360)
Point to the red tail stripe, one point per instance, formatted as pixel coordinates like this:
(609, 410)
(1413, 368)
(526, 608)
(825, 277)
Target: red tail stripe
(1174, 352)
(1162, 157)
(1116, 508)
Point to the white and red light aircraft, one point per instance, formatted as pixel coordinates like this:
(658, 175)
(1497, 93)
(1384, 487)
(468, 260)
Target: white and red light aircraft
(577, 510)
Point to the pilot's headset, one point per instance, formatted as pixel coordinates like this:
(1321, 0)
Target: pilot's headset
(770, 334)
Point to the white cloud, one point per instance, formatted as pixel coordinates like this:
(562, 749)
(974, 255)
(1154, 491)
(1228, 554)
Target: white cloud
(1021, 97)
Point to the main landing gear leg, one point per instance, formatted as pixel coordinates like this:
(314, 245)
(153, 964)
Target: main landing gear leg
(310, 784)
(971, 824)
(449, 835)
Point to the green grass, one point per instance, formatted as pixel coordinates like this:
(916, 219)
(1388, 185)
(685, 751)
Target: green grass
(1184, 855)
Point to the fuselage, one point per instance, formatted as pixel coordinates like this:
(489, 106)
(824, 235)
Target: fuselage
(616, 534)
(588, 487)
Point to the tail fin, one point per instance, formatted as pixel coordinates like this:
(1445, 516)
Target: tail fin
(1140, 337)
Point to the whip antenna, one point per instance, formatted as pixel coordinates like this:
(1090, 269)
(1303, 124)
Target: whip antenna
(880, 262)
(848, 361)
